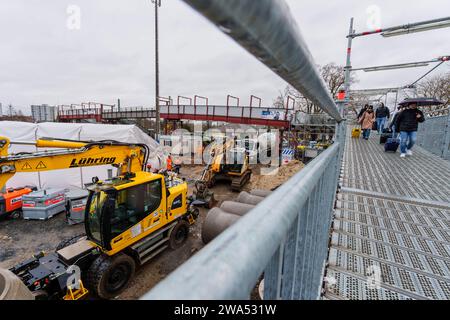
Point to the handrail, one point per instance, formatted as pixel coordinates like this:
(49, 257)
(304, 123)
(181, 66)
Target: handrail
(227, 269)
(268, 31)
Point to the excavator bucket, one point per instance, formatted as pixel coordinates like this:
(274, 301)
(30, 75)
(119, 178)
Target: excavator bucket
(203, 196)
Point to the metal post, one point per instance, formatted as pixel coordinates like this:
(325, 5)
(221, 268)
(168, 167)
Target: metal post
(348, 65)
(158, 117)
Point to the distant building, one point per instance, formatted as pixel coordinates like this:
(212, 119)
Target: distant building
(43, 113)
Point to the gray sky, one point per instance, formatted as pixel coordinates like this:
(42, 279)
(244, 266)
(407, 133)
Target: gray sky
(112, 55)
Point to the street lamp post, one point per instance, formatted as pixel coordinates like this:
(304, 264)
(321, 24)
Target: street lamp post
(158, 116)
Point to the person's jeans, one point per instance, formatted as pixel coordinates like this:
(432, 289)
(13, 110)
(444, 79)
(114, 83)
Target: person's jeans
(380, 124)
(366, 133)
(407, 140)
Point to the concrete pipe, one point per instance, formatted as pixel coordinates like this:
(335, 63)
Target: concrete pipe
(12, 288)
(260, 193)
(245, 197)
(237, 208)
(216, 222)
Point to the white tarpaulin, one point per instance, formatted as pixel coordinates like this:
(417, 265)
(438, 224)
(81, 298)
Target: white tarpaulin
(77, 177)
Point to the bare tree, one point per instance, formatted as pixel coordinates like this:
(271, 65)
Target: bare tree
(334, 77)
(436, 87)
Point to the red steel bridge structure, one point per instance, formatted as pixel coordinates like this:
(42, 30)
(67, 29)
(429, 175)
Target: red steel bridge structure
(185, 108)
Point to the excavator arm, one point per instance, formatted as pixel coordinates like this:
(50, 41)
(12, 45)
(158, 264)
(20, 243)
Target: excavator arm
(65, 154)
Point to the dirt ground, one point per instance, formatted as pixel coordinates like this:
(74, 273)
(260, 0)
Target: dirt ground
(20, 239)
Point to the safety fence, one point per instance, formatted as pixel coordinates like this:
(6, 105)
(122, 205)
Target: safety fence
(434, 134)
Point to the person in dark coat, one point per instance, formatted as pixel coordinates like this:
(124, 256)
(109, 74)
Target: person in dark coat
(382, 114)
(407, 124)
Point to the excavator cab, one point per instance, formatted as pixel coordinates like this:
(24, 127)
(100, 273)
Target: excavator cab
(118, 211)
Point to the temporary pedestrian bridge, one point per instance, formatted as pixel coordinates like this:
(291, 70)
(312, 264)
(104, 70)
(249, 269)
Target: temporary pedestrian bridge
(251, 115)
(355, 223)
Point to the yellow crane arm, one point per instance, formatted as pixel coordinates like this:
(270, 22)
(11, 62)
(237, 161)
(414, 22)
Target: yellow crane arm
(129, 158)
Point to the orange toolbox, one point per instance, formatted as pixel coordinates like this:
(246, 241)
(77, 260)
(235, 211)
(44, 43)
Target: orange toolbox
(11, 200)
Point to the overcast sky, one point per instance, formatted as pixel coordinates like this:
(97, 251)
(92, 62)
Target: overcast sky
(112, 54)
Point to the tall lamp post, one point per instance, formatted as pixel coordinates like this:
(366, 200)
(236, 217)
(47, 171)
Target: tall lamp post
(158, 117)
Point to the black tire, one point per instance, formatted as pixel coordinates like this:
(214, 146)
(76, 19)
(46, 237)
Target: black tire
(69, 241)
(108, 276)
(179, 234)
(16, 214)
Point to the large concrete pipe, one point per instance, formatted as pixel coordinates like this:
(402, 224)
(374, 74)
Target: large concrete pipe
(245, 197)
(260, 193)
(12, 288)
(237, 208)
(216, 222)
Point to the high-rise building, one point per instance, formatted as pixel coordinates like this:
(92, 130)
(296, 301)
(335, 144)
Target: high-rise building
(43, 113)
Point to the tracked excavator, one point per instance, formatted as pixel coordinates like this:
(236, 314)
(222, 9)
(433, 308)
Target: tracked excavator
(129, 219)
(226, 162)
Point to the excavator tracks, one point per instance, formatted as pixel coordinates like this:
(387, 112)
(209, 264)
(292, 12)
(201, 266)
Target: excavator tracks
(237, 183)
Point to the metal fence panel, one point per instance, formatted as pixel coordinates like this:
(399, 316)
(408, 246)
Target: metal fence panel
(292, 222)
(434, 135)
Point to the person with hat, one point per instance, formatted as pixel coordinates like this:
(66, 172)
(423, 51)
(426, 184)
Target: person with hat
(407, 124)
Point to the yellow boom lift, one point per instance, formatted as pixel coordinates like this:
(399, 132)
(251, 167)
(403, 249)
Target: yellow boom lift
(128, 219)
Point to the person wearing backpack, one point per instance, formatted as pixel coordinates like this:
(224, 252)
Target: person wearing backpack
(407, 124)
(382, 114)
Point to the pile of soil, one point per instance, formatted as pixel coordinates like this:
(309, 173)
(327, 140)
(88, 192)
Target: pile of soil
(276, 178)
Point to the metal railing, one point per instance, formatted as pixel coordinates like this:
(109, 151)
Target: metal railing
(434, 134)
(286, 236)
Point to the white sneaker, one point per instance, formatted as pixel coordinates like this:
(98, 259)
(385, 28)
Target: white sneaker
(403, 155)
(409, 153)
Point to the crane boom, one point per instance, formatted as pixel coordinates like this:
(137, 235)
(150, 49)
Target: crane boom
(129, 158)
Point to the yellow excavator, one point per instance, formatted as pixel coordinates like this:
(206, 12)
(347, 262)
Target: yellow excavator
(228, 162)
(128, 219)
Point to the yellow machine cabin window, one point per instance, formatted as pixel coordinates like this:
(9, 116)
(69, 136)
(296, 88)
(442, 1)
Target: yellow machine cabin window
(95, 210)
(134, 204)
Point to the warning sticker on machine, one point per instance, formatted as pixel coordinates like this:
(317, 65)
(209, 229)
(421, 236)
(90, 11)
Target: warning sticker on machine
(28, 204)
(136, 230)
(16, 200)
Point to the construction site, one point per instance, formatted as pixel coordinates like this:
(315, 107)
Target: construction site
(332, 191)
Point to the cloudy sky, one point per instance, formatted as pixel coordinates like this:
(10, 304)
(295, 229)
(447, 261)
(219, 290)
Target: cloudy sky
(111, 55)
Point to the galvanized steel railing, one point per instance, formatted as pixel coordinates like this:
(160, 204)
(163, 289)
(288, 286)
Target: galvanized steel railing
(286, 236)
(434, 134)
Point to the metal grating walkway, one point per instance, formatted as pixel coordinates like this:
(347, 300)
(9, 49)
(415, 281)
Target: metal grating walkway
(391, 231)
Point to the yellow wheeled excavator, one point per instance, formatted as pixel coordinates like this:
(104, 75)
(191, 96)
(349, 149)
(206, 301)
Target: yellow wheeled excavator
(128, 219)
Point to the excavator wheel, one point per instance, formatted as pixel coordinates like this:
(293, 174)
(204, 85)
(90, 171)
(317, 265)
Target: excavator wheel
(17, 214)
(108, 276)
(69, 241)
(179, 234)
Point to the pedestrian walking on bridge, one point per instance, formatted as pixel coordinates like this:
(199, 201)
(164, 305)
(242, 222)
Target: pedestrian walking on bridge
(407, 124)
(366, 121)
(382, 114)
